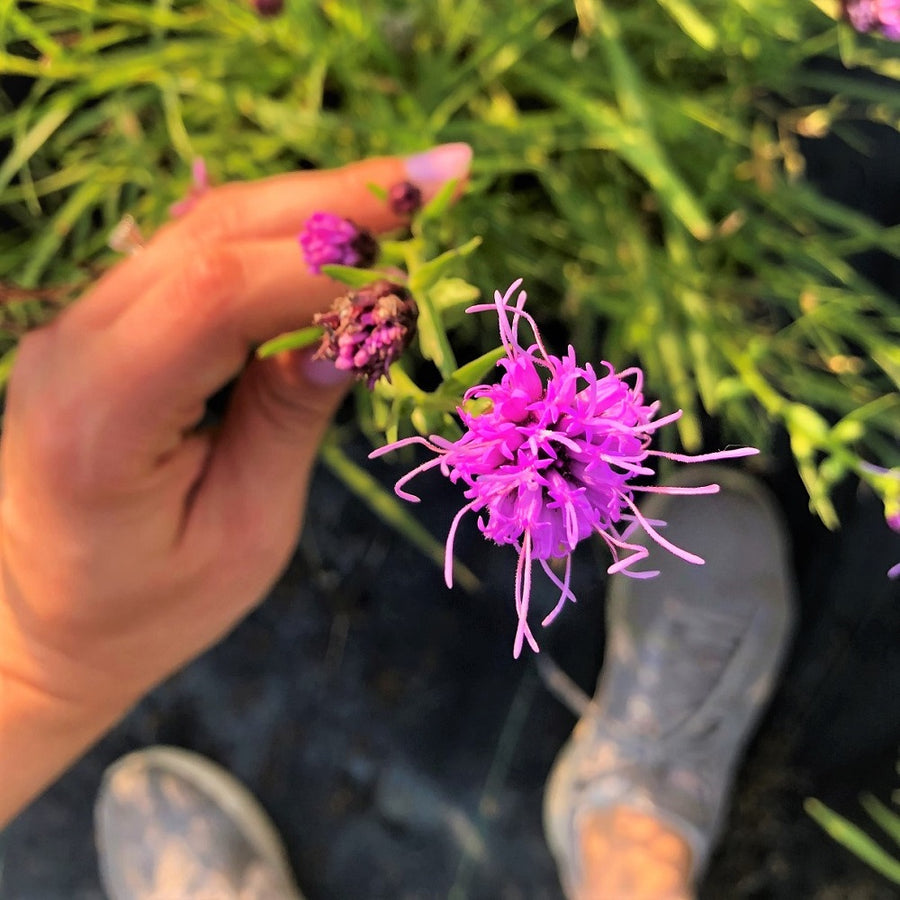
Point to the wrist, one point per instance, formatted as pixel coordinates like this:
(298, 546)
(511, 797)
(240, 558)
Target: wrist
(50, 713)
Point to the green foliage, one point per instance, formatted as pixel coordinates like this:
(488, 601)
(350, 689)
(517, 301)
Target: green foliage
(638, 163)
(858, 841)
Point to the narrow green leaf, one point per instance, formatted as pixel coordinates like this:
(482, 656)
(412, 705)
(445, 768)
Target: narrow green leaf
(854, 839)
(887, 358)
(351, 276)
(425, 276)
(885, 818)
(692, 22)
(451, 293)
(86, 196)
(6, 364)
(433, 340)
(26, 146)
(471, 373)
(292, 340)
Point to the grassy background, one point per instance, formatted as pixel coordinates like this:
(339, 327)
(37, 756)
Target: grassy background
(640, 164)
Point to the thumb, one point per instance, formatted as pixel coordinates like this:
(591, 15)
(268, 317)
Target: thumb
(276, 419)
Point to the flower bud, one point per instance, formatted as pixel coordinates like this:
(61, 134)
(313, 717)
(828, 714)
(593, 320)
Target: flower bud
(328, 239)
(404, 198)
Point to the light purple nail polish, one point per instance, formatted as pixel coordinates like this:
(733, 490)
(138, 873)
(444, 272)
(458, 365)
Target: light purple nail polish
(322, 372)
(440, 164)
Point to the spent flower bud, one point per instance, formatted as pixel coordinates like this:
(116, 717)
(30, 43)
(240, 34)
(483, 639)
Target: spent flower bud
(368, 329)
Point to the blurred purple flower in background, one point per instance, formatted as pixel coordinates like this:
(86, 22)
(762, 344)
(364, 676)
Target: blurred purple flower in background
(200, 185)
(875, 15)
(889, 481)
(366, 330)
(327, 239)
(268, 8)
(404, 198)
(893, 520)
(550, 457)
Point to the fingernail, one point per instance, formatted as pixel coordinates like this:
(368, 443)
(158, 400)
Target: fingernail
(321, 372)
(440, 164)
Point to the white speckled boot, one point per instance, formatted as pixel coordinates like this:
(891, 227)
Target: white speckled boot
(691, 659)
(171, 825)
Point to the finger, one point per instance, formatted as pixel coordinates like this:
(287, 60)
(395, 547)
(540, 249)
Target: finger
(156, 365)
(257, 479)
(271, 208)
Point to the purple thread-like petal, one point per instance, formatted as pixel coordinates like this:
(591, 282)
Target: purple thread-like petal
(448, 547)
(686, 555)
(563, 586)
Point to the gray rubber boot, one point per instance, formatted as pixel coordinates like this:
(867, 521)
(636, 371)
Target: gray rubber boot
(691, 660)
(171, 825)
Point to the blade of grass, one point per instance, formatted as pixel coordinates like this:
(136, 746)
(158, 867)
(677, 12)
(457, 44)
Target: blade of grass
(854, 839)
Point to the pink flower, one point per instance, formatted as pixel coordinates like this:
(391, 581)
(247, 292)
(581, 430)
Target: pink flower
(888, 480)
(328, 239)
(552, 459)
(875, 15)
(199, 187)
(404, 198)
(892, 517)
(366, 330)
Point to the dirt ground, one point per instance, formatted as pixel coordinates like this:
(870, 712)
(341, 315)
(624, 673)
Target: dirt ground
(402, 752)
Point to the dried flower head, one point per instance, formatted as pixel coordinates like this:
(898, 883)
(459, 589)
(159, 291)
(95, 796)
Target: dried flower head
(366, 330)
(552, 459)
(327, 239)
(200, 185)
(404, 198)
(874, 15)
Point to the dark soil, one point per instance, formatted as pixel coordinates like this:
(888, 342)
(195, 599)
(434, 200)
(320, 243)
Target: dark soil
(402, 752)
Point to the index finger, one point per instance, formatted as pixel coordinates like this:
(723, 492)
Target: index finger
(190, 328)
(276, 207)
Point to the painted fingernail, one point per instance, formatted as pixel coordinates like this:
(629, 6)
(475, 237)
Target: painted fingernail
(440, 164)
(321, 372)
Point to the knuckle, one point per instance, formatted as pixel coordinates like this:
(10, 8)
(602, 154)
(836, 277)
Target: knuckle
(219, 214)
(213, 277)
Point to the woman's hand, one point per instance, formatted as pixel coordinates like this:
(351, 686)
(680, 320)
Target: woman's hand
(131, 541)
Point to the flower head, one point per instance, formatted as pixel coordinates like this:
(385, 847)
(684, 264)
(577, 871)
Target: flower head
(200, 185)
(366, 330)
(552, 459)
(404, 198)
(328, 239)
(875, 15)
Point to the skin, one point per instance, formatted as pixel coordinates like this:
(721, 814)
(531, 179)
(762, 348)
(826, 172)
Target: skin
(130, 541)
(628, 855)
